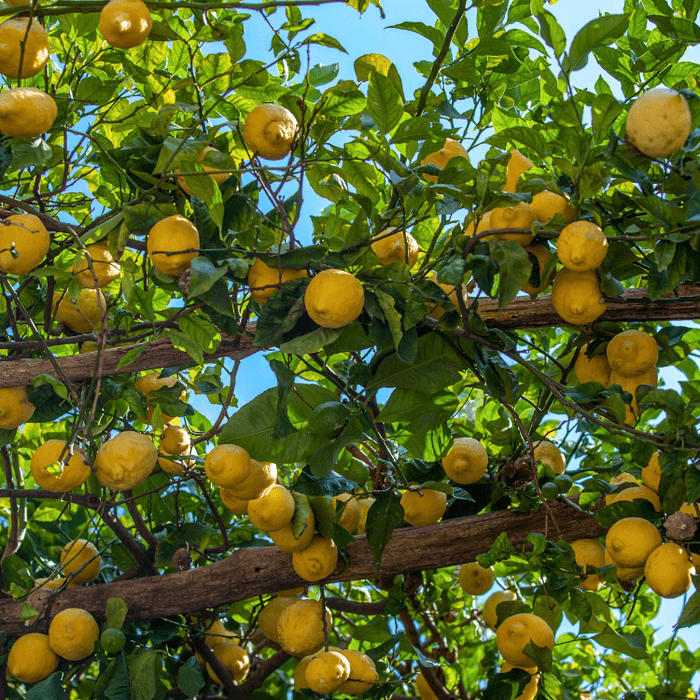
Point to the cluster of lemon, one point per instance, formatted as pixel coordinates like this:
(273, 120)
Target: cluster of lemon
(229, 651)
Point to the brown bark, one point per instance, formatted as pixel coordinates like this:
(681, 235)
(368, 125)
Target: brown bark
(252, 571)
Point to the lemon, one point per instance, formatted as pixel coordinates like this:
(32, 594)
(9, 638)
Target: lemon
(548, 453)
(577, 298)
(24, 40)
(364, 504)
(483, 225)
(112, 640)
(228, 466)
(631, 540)
(630, 494)
(542, 255)
(436, 311)
(530, 689)
(423, 508)
(300, 673)
(261, 479)
(592, 369)
(125, 461)
(651, 474)
(218, 178)
(28, 238)
(31, 658)
(26, 112)
(624, 573)
(669, 570)
(232, 502)
(106, 270)
(148, 383)
(689, 508)
(81, 315)
(327, 671)
(125, 23)
(520, 216)
(630, 384)
(176, 440)
(73, 634)
(624, 478)
(351, 514)
(489, 613)
(589, 552)
(474, 579)
(263, 280)
(78, 554)
(15, 407)
(423, 689)
(547, 205)
(582, 246)
(517, 165)
(270, 131)
(270, 615)
(334, 298)
(363, 673)
(273, 511)
(300, 627)
(54, 469)
(291, 592)
(392, 246)
(516, 632)
(632, 353)
(466, 462)
(233, 657)
(217, 634)
(317, 561)
(170, 466)
(659, 122)
(172, 244)
(451, 149)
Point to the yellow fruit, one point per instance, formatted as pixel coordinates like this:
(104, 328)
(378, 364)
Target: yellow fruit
(659, 122)
(22, 40)
(218, 178)
(669, 570)
(83, 315)
(15, 407)
(577, 298)
(31, 658)
(490, 614)
(125, 23)
(54, 469)
(624, 573)
(149, 383)
(391, 247)
(582, 246)
(51, 584)
(466, 462)
(317, 561)
(351, 514)
(26, 112)
(364, 505)
(103, 265)
(327, 671)
(300, 627)
(300, 673)
(270, 615)
(436, 311)
(261, 479)
(232, 656)
(172, 244)
(592, 369)
(176, 440)
(232, 502)
(334, 298)
(79, 554)
(517, 165)
(651, 474)
(363, 673)
(423, 689)
(624, 478)
(547, 205)
(270, 131)
(530, 689)
(263, 280)
(634, 492)
(631, 540)
(424, 508)
(483, 225)
(548, 453)
(290, 592)
(273, 511)
(542, 255)
(589, 552)
(632, 353)
(474, 579)
(228, 466)
(690, 508)
(515, 633)
(217, 633)
(177, 468)
(451, 149)
(28, 238)
(520, 216)
(73, 633)
(125, 461)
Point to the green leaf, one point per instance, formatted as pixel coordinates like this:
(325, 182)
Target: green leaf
(142, 673)
(629, 643)
(676, 28)
(423, 660)
(49, 689)
(340, 102)
(131, 355)
(605, 110)
(302, 510)
(60, 388)
(203, 275)
(377, 630)
(330, 485)
(609, 515)
(28, 153)
(384, 515)
(311, 342)
(285, 384)
(383, 102)
(542, 656)
(323, 73)
(118, 686)
(324, 513)
(115, 613)
(393, 317)
(551, 32)
(500, 550)
(597, 33)
(691, 612)
(189, 677)
(281, 313)
(324, 40)
(514, 267)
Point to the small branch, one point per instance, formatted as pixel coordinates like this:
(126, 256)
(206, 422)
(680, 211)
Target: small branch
(134, 547)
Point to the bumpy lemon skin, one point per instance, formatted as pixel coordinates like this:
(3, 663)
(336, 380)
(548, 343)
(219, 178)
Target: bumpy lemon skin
(669, 570)
(270, 615)
(451, 149)
(30, 240)
(632, 352)
(582, 246)
(589, 552)
(317, 561)
(235, 658)
(15, 407)
(327, 671)
(175, 235)
(125, 24)
(391, 247)
(270, 131)
(424, 508)
(234, 504)
(547, 204)
(26, 112)
(466, 462)
(83, 317)
(363, 673)
(31, 658)
(489, 612)
(125, 461)
(261, 479)
(592, 369)
(300, 627)
(516, 632)
(577, 298)
(630, 541)
(227, 465)
(474, 579)
(624, 574)
(75, 470)
(436, 312)
(651, 475)
(423, 689)
(520, 216)
(75, 555)
(23, 39)
(548, 453)
(73, 633)
(334, 298)
(350, 518)
(273, 511)
(263, 279)
(106, 270)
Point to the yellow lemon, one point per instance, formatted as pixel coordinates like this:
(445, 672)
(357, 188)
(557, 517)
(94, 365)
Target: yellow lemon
(106, 270)
(233, 503)
(451, 149)
(285, 540)
(582, 246)
(466, 462)
(632, 353)
(351, 514)
(218, 178)
(15, 407)
(261, 479)
(423, 689)
(263, 280)
(125, 461)
(363, 673)
(273, 511)
(547, 205)
(270, 615)
(81, 556)
(423, 508)
(172, 244)
(227, 465)
(55, 469)
(82, 315)
(392, 246)
(474, 579)
(669, 570)
(651, 474)
(291, 592)
(631, 540)
(548, 453)
(26, 236)
(589, 552)
(176, 440)
(317, 561)
(270, 131)
(483, 225)
(24, 40)
(690, 508)
(516, 632)
(73, 633)
(519, 216)
(334, 298)
(624, 574)
(300, 673)
(217, 633)
(531, 688)
(300, 627)
(364, 504)
(542, 255)
(624, 478)
(31, 658)
(517, 165)
(592, 369)
(489, 613)
(436, 311)
(630, 384)
(577, 298)
(233, 657)
(125, 23)
(148, 383)
(630, 494)
(26, 112)
(327, 671)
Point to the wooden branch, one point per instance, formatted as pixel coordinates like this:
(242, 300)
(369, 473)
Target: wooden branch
(252, 571)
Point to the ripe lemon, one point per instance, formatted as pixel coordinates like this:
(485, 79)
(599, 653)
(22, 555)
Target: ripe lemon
(530, 689)
(270, 131)
(26, 112)
(232, 656)
(466, 462)
(659, 122)
(582, 246)
(651, 474)
(474, 579)
(218, 178)
(436, 311)
(392, 247)
(125, 23)
(172, 467)
(633, 352)
(327, 671)
(31, 658)
(624, 478)
(78, 554)
(519, 216)
(317, 561)
(334, 298)
(451, 149)
(351, 514)
(363, 673)
(125, 461)
(423, 689)
(483, 225)
(690, 509)
(364, 505)
(270, 615)
(73, 634)
(630, 494)
(148, 383)
(172, 244)
(589, 552)
(83, 315)
(548, 453)
(631, 540)
(176, 440)
(577, 298)
(300, 627)
(261, 479)
(424, 508)
(273, 511)
(217, 634)
(489, 613)
(228, 466)
(233, 503)
(547, 205)
(592, 369)
(27, 236)
(542, 255)
(22, 39)
(263, 280)
(54, 469)
(517, 165)
(669, 570)
(103, 265)
(15, 407)
(624, 573)
(300, 673)
(515, 633)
